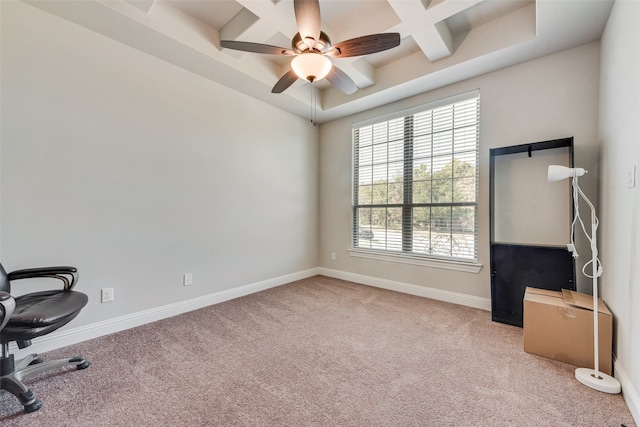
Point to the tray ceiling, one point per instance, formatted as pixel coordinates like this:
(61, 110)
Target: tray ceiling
(443, 41)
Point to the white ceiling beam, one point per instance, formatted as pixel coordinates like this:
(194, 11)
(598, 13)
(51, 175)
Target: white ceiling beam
(238, 25)
(272, 18)
(143, 5)
(443, 10)
(427, 24)
(435, 41)
(360, 71)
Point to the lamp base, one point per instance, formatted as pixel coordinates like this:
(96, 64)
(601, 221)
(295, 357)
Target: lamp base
(603, 382)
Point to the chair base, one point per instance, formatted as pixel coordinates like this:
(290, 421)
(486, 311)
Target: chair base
(13, 375)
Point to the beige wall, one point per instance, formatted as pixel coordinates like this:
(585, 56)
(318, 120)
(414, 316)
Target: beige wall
(137, 171)
(548, 98)
(620, 206)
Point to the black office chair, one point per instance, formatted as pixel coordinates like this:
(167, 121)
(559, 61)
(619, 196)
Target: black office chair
(29, 316)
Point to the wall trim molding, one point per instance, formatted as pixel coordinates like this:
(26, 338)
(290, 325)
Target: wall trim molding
(409, 288)
(629, 393)
(66, 337)
(433, 262)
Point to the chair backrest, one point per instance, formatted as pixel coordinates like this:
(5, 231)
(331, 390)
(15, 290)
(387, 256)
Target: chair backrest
(5, 285)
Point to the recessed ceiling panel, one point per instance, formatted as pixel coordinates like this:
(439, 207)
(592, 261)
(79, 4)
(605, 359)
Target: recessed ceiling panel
(482, 13)
(143, 5)
(216, 14)
(348, 19)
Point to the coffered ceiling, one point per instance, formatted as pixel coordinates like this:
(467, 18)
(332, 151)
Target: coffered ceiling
(442, 41)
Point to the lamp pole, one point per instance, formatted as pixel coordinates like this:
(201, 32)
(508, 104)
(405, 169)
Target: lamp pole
(593, 377)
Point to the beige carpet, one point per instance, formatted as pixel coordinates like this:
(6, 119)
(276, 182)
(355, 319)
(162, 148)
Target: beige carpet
(318, 352)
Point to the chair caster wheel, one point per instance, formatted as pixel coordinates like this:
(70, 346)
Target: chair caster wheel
(32, 407)
(36, 361)
(83, 363)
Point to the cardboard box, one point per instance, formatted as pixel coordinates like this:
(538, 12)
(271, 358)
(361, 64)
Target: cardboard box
(559, 325)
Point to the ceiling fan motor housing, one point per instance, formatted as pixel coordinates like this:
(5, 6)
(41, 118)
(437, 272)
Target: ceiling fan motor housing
(299, 45)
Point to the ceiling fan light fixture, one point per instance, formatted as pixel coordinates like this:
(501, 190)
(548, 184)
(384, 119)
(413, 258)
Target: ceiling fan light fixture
(311, 66)
(312, 50)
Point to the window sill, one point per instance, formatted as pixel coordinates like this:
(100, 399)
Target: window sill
(466, 266)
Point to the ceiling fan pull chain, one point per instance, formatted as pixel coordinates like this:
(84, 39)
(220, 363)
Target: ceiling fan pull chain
(314, 100)
(311, 103)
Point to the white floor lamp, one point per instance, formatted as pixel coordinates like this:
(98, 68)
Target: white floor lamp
(590, 377)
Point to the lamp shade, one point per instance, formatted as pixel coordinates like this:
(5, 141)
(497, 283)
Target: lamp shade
(311, 66)
(557, 172)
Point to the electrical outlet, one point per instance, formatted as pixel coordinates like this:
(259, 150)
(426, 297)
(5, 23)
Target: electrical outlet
(187, 279)
(333, 256)
(106, 295)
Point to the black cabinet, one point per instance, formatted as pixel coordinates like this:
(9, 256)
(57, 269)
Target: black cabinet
(526, 248)
(517, 266)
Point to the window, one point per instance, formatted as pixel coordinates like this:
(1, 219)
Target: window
(415, 182)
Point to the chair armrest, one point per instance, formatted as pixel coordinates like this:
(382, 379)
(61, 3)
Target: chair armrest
(68, 275)
(7, 305)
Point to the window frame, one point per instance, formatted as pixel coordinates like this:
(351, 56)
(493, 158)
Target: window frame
(403, 255)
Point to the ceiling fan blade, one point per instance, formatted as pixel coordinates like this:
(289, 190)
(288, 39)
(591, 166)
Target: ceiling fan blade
(308, 20)
(256, 48)
(341, 80)
(364, 45)
(285, 81)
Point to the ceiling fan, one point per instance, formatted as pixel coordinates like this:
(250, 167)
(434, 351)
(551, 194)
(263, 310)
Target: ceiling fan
(311, 48)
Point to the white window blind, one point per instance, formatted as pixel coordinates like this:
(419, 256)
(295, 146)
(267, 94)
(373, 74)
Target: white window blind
(415, 181)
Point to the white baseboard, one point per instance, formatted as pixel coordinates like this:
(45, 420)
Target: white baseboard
(68, 337)
(629, 392)
(408, 288)
(65, 337)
